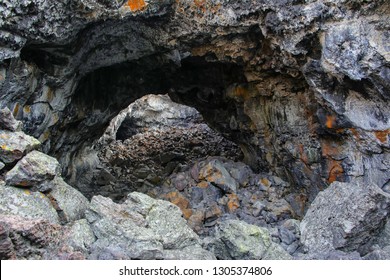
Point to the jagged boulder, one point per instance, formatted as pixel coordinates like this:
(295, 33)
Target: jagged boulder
(238, 240)
(140, 228)
(66, 199)
(153, 112)
(79, 236)
(7, 120)
(14, 145)
(214, 172)
(23, 238)
(344, 217)
(26, 204)
(34, 169)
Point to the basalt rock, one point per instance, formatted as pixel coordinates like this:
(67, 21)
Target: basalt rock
(151, 112)
(141, 228)
(22, 238)
(239, 240)
(34, 169)
(302, 87)
(345, 217)
(7, 120)
(27, 204)
(14, 145)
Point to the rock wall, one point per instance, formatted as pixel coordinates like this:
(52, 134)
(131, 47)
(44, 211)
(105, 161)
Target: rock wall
(301, 86)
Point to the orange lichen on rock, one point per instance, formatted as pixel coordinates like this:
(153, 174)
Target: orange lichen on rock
(335, 171)
(265, 182)
(329, 148)
(181, 202)
(136, 5)
(330, 121)
(203, 184)
(233, 202)
(382, 135)
(201, 4)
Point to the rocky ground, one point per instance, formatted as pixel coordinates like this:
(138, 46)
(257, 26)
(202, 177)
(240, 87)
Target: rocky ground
(176, 190)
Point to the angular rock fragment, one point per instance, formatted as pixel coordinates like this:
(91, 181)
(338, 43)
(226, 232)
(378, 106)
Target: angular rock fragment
(241, 241)
(68, 200)
(8, 122)
(383, 239)
(140, 228)
(14, 145)
(27, 204)
(80, 236)
(379, 254)
(215, 173)
(33, 169)
(344, 217)
(23, 238)
(6, 247)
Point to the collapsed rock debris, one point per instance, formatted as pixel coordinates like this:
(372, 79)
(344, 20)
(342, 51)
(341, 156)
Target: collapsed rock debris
(294, 94)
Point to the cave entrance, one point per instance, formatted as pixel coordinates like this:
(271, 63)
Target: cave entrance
(198, 82)
(166, 150)
(148, 142)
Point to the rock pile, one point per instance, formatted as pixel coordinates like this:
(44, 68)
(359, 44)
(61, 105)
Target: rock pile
(163, 138)
(210, 208)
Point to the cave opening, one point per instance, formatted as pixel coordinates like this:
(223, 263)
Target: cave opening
(198, 157)
(100, 95)
(150, 142)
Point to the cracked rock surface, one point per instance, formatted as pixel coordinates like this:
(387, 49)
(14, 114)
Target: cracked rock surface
(298, 94)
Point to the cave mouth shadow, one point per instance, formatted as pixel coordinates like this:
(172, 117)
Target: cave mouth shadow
(150, 142)
(198, 82)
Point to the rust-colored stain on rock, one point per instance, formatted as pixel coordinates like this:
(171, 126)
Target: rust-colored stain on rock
(330, 121)
(382, 136)
(200, 3)
(233, 203)
(203, 184)
(242, 92)
(136, 5)
(330, 149)
(302, 154)
(265, 182)
(335, 171)
(181, 202)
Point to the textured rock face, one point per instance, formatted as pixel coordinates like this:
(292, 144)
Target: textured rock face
(345, 217)
(151, 112)
(303, 87)
(14, 145)
(26, 204)
(239, 240)
(141, 228)
(8, 121)
(35, 168)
